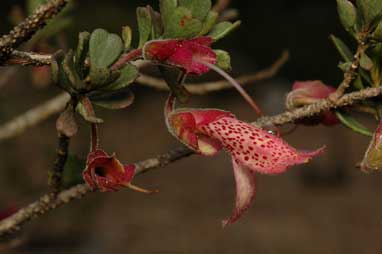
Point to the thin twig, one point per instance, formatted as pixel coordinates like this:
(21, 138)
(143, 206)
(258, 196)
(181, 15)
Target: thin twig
(350, 74)
(33, 116)
(26, 29)
(318, 107)
(55, 177)
(47, 203)
(28, 58)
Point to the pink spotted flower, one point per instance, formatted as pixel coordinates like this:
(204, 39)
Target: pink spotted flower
(207, 131)
(184, 54)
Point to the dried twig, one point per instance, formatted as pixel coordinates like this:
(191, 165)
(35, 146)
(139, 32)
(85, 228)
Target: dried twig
(33, 116)
(55, 177)
(26, 29)
(47, 202)
(28, 58)
(350, 74)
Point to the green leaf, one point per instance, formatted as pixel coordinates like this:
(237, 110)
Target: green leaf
(81, 53)
(377, 34)
(127, 36)
(209, 22)
(353, 124)
(157, 25)
(178, 21)
(222, 29)
(371, 10)
(181, 25)
(114, 100)
(70, 71)
(347, 55)
(86, 115)
(358, 84)
(55, 67)
(102, 77)
(129, 73)
(199, 8)
(344, 66)
(104, 49)
(365, 62)
(72, 174)
(223, 59)
(344, 50)
(144, 25)
(347, 13)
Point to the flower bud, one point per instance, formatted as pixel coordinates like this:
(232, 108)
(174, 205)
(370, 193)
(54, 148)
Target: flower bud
(308, 92)
(372, 160)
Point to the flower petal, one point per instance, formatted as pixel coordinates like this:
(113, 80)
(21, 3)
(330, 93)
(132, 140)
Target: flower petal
(245, 191)
(308, 92)
(183, 124)
(255, 148)
(208, 146)
(185, 54)
(159, 50)
(106, 172)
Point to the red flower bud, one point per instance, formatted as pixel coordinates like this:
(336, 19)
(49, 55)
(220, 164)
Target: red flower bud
(185, 54)
(308, 92)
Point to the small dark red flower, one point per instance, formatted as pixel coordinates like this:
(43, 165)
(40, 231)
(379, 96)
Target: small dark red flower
(106, 172)
(308, 92)
(185, 54)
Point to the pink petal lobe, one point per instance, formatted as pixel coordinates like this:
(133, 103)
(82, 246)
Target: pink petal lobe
(204, 40)
(206, 116)
(185, 54)
(245, 191)
(159, 50)
(255, 148)
(314, 89)
(208, 146)
(182, 58)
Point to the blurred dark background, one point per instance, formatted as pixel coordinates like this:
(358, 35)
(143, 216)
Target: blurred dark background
(326, 206)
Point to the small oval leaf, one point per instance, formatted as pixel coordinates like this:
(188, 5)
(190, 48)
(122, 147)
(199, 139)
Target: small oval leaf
(118, 99)
(353, 124)
(347, 13)
(144, 25)
(222, 29)
(104, 48)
